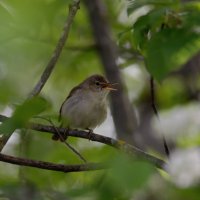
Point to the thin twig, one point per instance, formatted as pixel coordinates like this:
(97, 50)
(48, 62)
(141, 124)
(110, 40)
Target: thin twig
(67, 144)
(56, 54)
(62, 138)
(51, 166)
(153, 104)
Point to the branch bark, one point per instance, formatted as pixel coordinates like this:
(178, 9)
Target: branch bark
(49, 165)
(122, 110)
(118, 144)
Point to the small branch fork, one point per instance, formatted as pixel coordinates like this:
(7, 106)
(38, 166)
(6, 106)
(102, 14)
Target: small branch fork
(118, 144)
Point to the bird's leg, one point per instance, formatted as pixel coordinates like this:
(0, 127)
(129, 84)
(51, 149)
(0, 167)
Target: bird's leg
(90, 132)
(64, 135)
(61, 136)
(55, 137)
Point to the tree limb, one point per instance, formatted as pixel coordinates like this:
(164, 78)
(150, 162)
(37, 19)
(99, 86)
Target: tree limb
(118, 144)
(49, 165)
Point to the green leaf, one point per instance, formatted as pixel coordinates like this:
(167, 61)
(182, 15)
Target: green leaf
(7, 91)
(169, 49)
(149, 22)
(132, 174)
(124, 177)
(23, 113)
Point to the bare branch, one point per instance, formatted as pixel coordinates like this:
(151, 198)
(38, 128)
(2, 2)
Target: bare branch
(51, 166)
(56, 54)
(118, 144)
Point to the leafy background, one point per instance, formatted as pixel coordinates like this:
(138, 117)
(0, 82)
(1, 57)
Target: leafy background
(154, 37)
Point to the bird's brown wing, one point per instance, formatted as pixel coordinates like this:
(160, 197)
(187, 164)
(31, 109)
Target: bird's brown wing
(70, 94)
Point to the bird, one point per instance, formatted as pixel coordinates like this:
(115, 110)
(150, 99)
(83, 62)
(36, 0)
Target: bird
(86, 105)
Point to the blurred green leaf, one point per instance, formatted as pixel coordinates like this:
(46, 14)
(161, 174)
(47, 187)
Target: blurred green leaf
(7, 91)
(189, 140)
(149, 22)
(171, 92)
(129, 173)
(168, 49)
(23, 114)
(168, 37)
(125, 176)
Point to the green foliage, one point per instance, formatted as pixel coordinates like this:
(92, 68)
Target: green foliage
(7, 91)
(167, 36)
(172, 92)
(174, 193)
(144, 24)
(23, 114)
(125, 177)
(189, 141)
(169, 49)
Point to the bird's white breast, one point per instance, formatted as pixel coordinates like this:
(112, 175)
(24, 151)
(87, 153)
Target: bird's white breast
(84, 111)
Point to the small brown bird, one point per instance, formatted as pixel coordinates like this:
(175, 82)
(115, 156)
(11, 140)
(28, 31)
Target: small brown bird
(86, 105)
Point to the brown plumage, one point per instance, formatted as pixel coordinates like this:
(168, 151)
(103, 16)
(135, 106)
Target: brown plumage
(86, 106)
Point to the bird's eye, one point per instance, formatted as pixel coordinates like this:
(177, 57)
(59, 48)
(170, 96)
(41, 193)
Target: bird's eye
(97, 83)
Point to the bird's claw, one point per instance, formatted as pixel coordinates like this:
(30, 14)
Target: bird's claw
(90, 132)
(61, 136)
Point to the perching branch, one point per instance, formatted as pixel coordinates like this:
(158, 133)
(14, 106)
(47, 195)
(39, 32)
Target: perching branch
(118, 144)
(49, 165)
(56, 54)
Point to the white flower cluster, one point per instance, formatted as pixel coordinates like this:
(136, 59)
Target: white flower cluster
(184, 167)
(179, 121)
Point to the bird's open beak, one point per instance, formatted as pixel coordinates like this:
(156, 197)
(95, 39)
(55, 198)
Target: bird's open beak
(109, 86)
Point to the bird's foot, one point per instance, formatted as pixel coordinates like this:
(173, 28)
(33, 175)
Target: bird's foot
(61, 136)
(55, 137)
(90, 132)
(64, 135)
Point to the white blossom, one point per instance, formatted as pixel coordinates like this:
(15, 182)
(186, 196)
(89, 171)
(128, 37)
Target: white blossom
(184, 167)
(178, 121)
